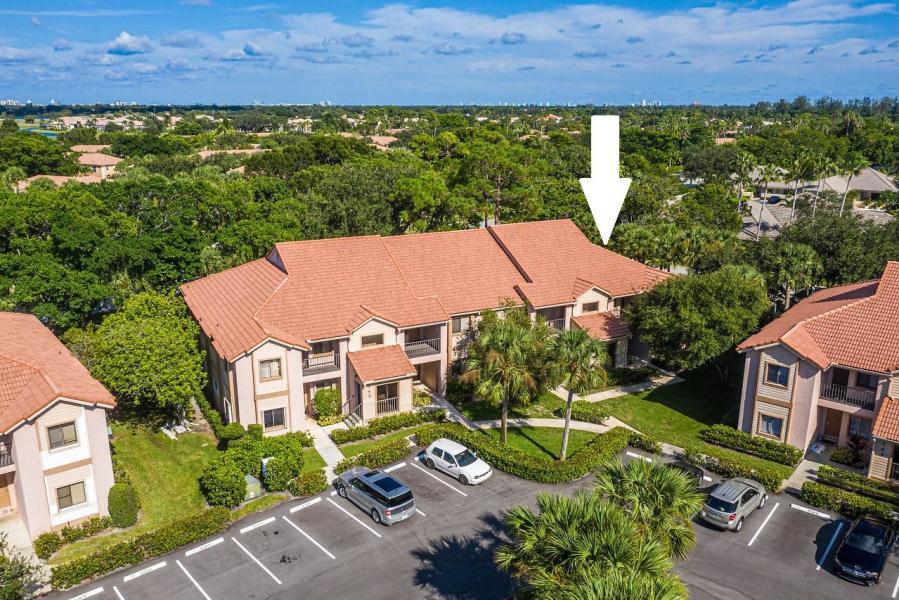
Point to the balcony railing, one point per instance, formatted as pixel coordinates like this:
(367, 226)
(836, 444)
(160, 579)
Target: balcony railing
(849, 395)
(557, 324)
(388, 405)
(422, 347)
(5, 459)
(321, 363)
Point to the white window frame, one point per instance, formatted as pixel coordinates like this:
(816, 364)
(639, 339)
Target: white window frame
(283, 423)
(761, 427)
(59, 505)
(266, 362)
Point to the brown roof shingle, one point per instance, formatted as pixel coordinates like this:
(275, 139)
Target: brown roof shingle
(378, 364)
(886, 424)
(603, 326)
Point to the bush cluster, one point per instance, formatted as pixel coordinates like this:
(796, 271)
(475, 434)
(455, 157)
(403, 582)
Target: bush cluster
(308, 484)
(325, 421)
(459, 392)
(49, 542)
(728, 437)
(854, 482)
(327, 403)
(846, 456)
(212, 416)
(281, 469)
(380, 455)
(46, 544)
(143, 547)
(123, 505)
(727, 465)
(222, 483)
(232, 431)
(515, 462)
(386, 424)
(420, 398)
(589, 412)
(844, 502)
(644, 442)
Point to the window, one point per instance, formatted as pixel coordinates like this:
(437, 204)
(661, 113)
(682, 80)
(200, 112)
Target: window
(70, 495)
(461, 324)
(778, 375)
(748, 496)
(860, 427)
(372, 340)
(273, 418)
(389, 390)
(62, 435)
(270, 369)
(866, 380)
(589, 307)
(770, 425)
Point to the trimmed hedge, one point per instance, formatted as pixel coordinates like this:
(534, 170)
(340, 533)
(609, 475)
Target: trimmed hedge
(386, 424)
(380, 455)
(589, 412)
(49, 542)
(123, 505)
(232, 431)
(223, 483)
(255, 431)
(281, 469)
(325, 421)
(515, 462)
(46, 544)
(149, 545)
(308, 484)
(854, 482)
(212, 416)
(727, 465)
(728, 437)
(844, 502)
(420, 398)
(327, 403)
(644, 442)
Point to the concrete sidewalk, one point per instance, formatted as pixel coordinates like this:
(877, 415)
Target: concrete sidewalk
(634, 388)
(326, 447)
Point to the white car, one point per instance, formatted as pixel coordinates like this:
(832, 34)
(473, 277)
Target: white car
(457, 460)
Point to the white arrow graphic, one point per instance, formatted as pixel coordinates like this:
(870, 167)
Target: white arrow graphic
(604, 189)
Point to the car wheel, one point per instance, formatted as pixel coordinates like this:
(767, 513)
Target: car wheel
(376, 516)
(463, 479)
(763, 501)
(342, 491)
(739, 526)
(430, 463)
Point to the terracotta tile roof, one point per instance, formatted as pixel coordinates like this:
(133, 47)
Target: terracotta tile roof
(560, 263)
(95, 159)
(378, 364)
(467, 270)
(36, 369)
(59, 180)
(853, 325)
(89, 148)
(602, 326)
(886, 424)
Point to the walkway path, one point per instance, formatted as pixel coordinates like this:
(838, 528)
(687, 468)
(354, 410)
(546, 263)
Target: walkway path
(326, 447)
(667, 379)
(608, 424)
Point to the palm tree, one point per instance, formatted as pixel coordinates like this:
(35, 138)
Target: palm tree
(801, 169)
(661, 500)
(500, 363)
(577, 363)
(767, 173)
(745, 164)
(572, 543)
(855, 163)
(11, 176)
(824, 167)
(796, 266)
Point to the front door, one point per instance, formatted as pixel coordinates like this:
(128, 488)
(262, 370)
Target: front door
(832, 423)
(4, 491)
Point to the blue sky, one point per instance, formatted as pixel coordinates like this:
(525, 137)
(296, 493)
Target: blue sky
(226, 51)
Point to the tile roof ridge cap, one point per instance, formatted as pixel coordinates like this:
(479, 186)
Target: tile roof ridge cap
(399, 270)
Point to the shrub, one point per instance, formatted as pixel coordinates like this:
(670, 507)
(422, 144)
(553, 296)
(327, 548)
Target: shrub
(386, 424)
(123, 505)
(589, 412)
(380, 455)
(854, 482)
(737, 465)
(846, 456)
(149, 545)
(327, 403)
(85, 529)
(46, 544)
(458, 391)
(254, 431)
(515, 462)
(644, 442)
(281, 469)
(212, 416)
(728, 437)
(420, 398)
(232, 431)
(223, 483)
(844, 502)
(325, 421)
(308, 484)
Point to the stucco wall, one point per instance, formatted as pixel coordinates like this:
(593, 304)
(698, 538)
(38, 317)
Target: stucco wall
(29, 484)
(591, 295)
(373, 327)
(747, 397)
(804, 415)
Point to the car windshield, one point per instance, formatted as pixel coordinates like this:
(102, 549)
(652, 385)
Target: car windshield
(398, 500)
(864, 541)
(722, 505)
(465, 458)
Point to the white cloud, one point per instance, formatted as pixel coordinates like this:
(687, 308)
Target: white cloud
(126, 44)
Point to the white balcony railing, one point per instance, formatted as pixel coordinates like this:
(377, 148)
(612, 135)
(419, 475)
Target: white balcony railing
(849, 395)
(422, 347)
(388, 405)
(557, 323)
(321, 363)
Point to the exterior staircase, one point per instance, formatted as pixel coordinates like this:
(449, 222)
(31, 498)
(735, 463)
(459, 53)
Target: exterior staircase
(352, 420)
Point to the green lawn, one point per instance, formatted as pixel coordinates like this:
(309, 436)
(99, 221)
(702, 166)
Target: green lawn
(357, 447)
(163, 471)
(312, 460)
(547, 405)
(543, 442)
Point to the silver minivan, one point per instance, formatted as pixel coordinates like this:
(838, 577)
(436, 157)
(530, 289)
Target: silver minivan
(732, 501)
(386, 499)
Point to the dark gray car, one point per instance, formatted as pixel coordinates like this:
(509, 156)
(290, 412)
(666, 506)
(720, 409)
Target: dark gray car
(386, 499)
(731, 502)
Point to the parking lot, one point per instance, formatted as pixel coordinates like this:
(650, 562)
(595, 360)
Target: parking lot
(325, 547)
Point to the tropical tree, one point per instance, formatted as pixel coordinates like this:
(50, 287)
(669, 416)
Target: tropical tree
(800, 169)
(745, 163)
(661, 500)
(18, 573)
(796, 267)
(854, 164)
(824, 167)
(767, 173)
(577, 362)
(570, 544)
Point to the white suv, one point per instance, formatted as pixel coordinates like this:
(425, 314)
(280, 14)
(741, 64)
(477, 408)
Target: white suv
(457, 460)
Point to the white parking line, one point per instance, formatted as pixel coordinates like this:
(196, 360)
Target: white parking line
(333, 492)
(635, 455)
(429, 474)
(256, 560)
(144, 571)
(421, 513)
(193, 581)
(765, 522)
(308, 537)
(118, 594)
(88, 594)
(347, 513)
(895, 588)
(811, 511)
(833, 538)
(305, 505)
(394, 467)
(205, 546)
(257, 525)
